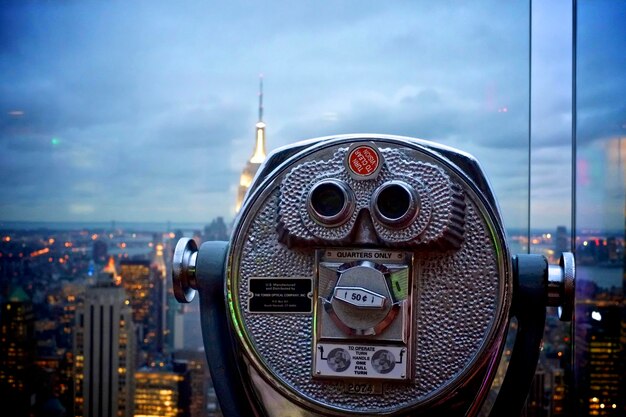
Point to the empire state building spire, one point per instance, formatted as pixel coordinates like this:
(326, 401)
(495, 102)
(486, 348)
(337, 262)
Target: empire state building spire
(258, 155)
(259, 149)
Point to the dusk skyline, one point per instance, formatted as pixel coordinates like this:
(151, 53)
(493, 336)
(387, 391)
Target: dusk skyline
(146, 112)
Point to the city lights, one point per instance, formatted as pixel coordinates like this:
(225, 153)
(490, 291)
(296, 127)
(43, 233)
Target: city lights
(39, 252)
(101, 116)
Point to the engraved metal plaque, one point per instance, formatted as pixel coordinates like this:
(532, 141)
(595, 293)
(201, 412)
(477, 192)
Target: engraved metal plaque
(280, 295)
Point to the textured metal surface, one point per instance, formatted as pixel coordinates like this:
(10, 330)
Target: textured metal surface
(440, 220)
(561, 286)
(458, 295)
(184, 270)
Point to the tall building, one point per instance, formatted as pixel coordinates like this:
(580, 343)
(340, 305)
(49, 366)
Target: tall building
(561, 240)
(17, 352)
(159, 274)
(104, 352)
(203, 401)
(174, 311)
(163, 390)
(111, 271)
(258, 155)
(559, 392)
(536, 402)
(145, 286)
(99, 251)
(601, 358)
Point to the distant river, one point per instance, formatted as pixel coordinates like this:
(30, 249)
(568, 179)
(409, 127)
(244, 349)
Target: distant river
(603, 277)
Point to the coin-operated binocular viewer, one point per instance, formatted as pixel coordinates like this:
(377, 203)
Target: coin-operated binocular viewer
(369, 275)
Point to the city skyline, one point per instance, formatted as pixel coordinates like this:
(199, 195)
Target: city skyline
(60, 273)
(148, 113)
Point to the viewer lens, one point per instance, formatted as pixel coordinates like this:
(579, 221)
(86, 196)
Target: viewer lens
(328, 199)
(330, 202)
(396, 203)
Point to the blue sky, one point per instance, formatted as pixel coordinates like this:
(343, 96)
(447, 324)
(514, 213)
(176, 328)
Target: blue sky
(145, 111)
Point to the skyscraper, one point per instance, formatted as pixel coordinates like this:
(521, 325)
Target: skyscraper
(145, 287)
(104, 345)
(159, 274)
(258, 155)
(203, 401)
(600, 358)
(17, 351)
(99, 251)
(163, 390)
(561, 240)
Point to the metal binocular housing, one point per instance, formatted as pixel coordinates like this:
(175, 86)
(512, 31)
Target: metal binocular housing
(369, 275)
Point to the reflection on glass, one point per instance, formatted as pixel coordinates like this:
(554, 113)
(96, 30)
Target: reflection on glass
(551, 190)
(600, 337)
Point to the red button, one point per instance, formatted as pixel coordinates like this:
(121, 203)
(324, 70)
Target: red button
(363, 160)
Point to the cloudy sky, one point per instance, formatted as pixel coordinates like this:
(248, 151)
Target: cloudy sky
(145, 111)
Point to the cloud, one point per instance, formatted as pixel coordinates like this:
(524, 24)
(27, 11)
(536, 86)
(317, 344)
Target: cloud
(153, 105)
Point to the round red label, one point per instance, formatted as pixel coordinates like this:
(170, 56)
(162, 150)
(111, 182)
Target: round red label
(363, 160)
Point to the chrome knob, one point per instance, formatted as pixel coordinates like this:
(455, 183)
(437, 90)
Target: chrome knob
(184, 270)
(561, 286)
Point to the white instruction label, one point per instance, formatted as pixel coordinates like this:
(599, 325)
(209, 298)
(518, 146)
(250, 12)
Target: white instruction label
(361, 361)
(359, 297)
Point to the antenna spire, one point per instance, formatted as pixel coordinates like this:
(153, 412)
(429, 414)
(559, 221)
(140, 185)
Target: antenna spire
(260, 97)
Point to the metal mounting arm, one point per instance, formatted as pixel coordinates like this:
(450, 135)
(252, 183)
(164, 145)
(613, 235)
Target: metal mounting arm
(202, 271)
(536, 286)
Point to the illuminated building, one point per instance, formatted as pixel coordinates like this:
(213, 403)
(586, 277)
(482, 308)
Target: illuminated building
(173, 335)
(159, 274)
(601, 358)
(110, 269)
(203, 399)
(258, 155)
(17, 351)
(72, 296)
(104, 345)
(162, 391)
(145, 287)
(536, 402)
(559, 392)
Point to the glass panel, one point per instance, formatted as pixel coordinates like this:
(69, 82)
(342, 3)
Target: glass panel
(551, 128)
(600, 207)
(551, 187)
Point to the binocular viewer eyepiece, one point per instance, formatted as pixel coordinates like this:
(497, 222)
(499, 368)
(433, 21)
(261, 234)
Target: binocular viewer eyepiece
(369, 275)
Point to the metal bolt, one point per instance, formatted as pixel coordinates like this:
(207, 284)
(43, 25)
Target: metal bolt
(561, 286)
